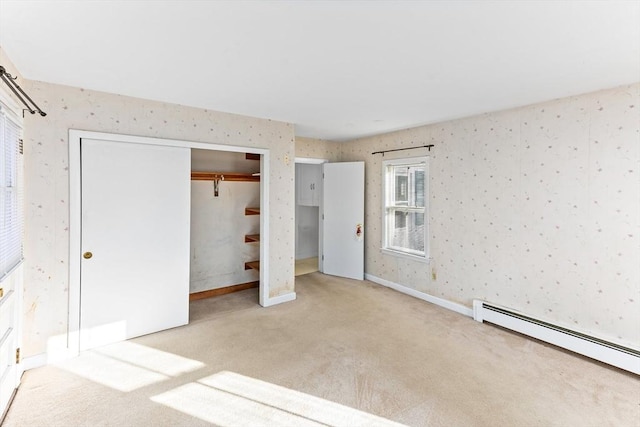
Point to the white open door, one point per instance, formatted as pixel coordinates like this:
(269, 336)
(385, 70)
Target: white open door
(135, 240)
(343, 224)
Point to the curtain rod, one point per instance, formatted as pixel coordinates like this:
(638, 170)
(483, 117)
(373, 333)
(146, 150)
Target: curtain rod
(400, 149)
(10, 81)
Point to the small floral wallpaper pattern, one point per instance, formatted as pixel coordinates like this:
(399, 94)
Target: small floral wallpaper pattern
(47, 185)
(317, 149)
(535, 208)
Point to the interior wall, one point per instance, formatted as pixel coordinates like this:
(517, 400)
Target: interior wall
(47, 186)
(218, 227)
(307, 231)
(318, 149)
(535, 208)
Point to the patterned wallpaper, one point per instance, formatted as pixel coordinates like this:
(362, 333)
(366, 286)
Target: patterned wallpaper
(317, 149)
(47, 185)
(535, 208)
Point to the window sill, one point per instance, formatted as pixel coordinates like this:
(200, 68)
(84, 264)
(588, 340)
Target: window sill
(398, 254)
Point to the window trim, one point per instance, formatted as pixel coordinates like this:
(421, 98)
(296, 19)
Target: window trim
(385, 248)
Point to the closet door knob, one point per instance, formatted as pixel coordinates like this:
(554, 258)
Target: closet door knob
(87, 255)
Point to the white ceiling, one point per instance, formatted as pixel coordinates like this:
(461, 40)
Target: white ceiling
(337, 70)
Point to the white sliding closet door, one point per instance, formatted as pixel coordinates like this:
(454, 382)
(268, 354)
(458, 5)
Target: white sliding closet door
(135, 240)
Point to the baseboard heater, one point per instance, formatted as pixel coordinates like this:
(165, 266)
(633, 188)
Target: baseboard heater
(595, 348)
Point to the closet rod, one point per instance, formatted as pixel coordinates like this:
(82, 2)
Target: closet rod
(224, 176)
(401, 149)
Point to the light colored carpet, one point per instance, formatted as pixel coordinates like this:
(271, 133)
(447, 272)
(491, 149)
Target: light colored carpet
(344, 353)
(306, 266)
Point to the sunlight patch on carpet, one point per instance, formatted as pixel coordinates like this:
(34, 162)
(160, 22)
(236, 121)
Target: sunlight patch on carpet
(126, 366)
(150, 358)
(230, 399)
(111, 372)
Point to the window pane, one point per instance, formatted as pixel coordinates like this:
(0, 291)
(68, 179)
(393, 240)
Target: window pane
(401, 221)
(406, 230)
(415, 231)
(401, 180)
(408, 186)
(419, 187)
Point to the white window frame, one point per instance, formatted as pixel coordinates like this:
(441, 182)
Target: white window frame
(8, 112)
(386, 193)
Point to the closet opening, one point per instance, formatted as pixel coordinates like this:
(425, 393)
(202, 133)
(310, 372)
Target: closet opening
(225, 229)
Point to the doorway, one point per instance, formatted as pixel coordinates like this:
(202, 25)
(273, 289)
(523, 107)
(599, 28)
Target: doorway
(76, 224)
(308, 244)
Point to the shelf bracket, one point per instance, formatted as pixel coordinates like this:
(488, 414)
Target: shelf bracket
(216, 184)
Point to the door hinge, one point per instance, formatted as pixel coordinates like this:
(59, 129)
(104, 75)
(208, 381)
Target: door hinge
(17, 355)
(323, 257)
(21, 146)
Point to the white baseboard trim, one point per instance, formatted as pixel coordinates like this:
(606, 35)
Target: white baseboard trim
(280, 299)
(32, 362)
(458, 308)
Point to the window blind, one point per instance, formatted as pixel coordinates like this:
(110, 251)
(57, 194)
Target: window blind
(11, 215)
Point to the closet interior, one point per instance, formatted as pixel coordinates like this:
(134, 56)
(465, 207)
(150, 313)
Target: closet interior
(225, 222)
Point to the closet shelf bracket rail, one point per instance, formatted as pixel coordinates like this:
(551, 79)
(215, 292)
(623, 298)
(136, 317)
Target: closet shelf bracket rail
(224, 176)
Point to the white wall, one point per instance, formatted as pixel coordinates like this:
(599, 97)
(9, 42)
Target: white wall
(218, 226)
(535, 208)
(307, 231)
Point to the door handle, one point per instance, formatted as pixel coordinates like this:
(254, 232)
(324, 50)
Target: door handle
(87, 255)
(359, 231)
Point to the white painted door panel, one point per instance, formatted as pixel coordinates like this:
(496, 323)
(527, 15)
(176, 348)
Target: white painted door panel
(135, 223)
(343, 208)
(8, 343)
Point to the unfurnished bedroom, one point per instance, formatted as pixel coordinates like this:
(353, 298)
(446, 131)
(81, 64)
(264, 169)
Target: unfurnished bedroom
(285, 213)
